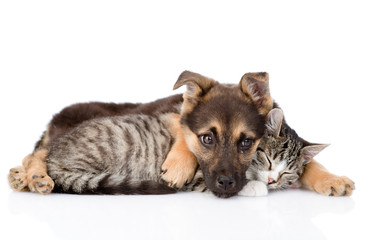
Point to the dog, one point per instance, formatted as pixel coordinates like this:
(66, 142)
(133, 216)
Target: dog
(221, 124)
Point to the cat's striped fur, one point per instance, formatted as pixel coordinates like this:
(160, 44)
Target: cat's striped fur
(114, 155)
(282, 155)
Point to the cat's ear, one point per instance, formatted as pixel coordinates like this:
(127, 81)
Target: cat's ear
(197, 85)
(310, 151)
(256, 87)
(274, 121)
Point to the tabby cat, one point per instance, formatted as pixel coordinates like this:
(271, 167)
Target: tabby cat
(278, 162)
(281, 157)
(113, 155)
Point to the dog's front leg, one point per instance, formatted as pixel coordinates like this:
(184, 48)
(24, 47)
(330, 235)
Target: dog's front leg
(180, 165)
(322, 181)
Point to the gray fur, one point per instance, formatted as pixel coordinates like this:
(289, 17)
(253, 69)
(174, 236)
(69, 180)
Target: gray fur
(103, 155)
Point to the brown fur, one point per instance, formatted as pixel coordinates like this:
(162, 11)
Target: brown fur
(240, 128)
(259, 91)
(229, 115)
(322, 181)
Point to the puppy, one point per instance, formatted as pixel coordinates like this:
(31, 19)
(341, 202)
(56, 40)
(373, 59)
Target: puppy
(225, 140)
(222, 126)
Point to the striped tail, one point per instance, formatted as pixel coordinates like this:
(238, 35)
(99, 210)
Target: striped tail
(88, 183)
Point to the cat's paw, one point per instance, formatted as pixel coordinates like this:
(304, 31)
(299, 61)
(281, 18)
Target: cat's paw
(254, 189)
(40, 182)
(335, 186)
(179, 168)
(17, 179)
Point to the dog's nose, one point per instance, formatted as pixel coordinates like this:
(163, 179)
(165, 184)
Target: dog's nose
(225, 182)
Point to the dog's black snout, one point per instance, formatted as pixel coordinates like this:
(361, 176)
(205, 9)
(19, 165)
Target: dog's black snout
(225, 182)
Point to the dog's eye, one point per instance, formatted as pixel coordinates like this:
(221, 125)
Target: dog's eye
(207, 139)
(246, 144)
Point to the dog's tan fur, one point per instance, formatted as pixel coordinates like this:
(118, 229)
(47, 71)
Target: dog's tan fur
(322, 181)
(38, 180)
(180, 164)
(32, 175)
(17, 178)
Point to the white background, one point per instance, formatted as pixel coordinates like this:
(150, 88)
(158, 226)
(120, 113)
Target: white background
(321, 56)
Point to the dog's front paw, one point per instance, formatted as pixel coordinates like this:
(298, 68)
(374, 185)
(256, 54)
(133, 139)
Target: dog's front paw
(179, 168)
(40, 182)
(254, 189)
(17, 179)
(335, 186)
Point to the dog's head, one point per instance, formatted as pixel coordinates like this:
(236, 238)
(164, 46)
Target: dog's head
(223, 125)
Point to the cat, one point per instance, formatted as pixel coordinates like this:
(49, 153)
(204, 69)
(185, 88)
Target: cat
(280, 159)
(278, 163)
(112, 155)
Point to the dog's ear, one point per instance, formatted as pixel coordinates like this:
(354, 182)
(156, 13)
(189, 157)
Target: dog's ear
(197, 85)
(256, 87)
(311, 150)
(274, 121)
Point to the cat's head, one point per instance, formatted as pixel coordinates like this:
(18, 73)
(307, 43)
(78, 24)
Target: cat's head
(282, 155)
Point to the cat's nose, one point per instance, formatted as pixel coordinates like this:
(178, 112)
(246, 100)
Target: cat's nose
(225, 182)
(271, 180)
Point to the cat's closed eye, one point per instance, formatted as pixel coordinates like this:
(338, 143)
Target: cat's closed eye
(284, 174)
(267, 159)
